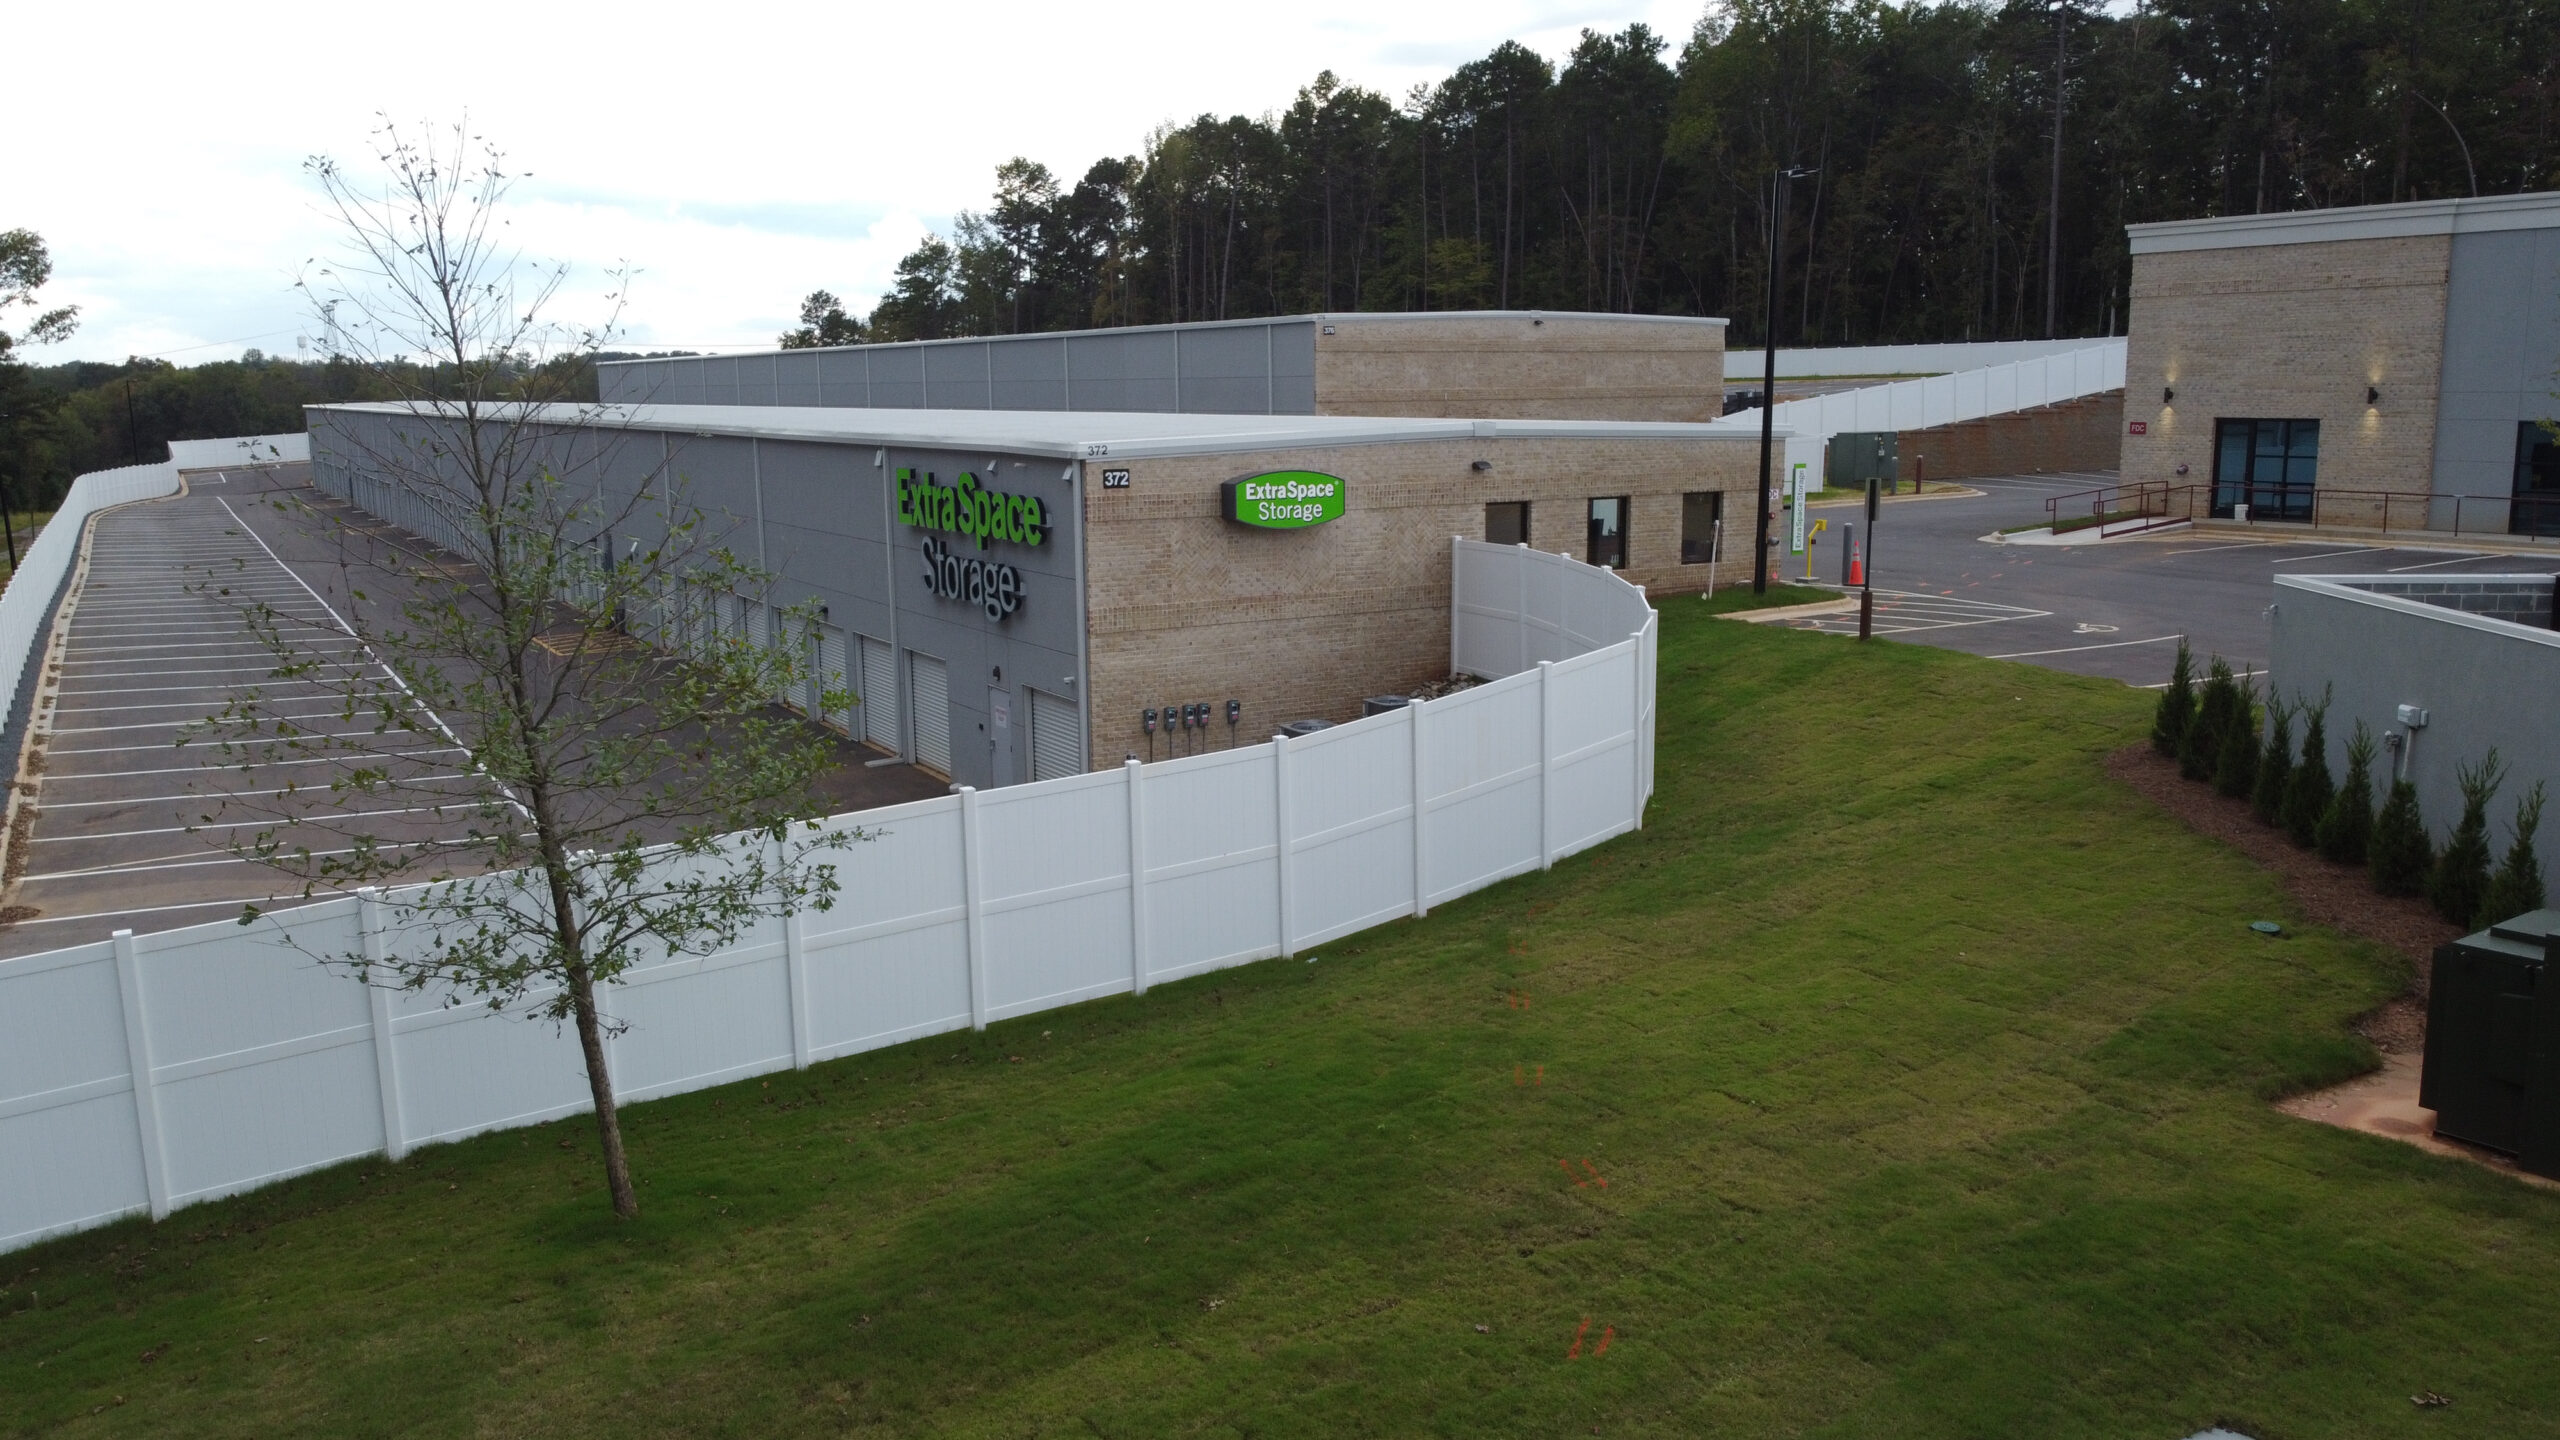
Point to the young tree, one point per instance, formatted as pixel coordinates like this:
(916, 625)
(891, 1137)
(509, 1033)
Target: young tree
(2235, 766)
(2460, 879)
(2517, 887)
(2177, 708)
(2200, 748)
(2275, 763)
(617, 805)
(2307, 794)
(2400, 853)
(2346, 827)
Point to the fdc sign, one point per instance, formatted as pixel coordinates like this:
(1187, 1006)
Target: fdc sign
(1283, 499)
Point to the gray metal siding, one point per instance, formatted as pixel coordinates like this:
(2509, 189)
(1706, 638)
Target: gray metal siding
(2502, 347)
(1251, 369)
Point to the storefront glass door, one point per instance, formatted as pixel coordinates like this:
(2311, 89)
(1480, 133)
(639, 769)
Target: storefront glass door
(2270, 466)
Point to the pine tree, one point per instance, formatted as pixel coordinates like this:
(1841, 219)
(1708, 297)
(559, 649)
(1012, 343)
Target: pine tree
(2346, 827)
(2460, 879)
(2307, 792)
(2177, 708)
(2399, 855)
(2200, 748)
(2517, 887)
(2275, 763)
(2235, 765)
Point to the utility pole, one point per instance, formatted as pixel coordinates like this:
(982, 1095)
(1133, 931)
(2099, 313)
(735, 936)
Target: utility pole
(2053, 203)
(1769, 372)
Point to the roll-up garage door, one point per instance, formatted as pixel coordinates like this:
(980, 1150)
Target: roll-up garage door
(796, 637)
(929, 696)
(1057, 741)
(830, 676)
(879, 695)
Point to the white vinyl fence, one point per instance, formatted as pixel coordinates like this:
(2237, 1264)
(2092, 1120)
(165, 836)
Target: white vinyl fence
(26, 607)
(241, 450)
(1744, 365)
(147, 1072)
(1809, 424)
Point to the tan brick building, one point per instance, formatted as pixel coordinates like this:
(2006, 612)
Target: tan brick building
(1490, 364)
(2329, 364)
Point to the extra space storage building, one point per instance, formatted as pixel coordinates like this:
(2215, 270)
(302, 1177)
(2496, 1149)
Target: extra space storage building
(1009, 591)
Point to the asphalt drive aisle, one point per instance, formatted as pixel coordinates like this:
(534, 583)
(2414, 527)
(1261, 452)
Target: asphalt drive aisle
(152, 646)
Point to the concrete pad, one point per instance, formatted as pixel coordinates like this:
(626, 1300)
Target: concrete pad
(2086, 535)
(2385, 1103)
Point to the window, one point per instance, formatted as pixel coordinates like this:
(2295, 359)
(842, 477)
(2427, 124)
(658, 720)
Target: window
(1506, 522)
(2267, 465)
(1701, 511)
(1608, 543)
(2536, 510)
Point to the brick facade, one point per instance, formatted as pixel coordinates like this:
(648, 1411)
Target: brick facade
(2290, 332)
(2075, 435)
(1183, 606)
(1542, 368)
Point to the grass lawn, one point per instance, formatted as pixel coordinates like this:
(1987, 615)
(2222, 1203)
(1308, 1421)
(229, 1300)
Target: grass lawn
(1977, 1145)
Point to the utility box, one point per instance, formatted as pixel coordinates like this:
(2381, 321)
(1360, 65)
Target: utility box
(1381, 704)
(2492, 1071)
(1856, 456)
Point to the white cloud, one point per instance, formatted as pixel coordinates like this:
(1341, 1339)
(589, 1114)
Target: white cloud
(736, 159)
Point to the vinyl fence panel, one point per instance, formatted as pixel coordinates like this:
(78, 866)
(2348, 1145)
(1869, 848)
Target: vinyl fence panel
(154, 1071)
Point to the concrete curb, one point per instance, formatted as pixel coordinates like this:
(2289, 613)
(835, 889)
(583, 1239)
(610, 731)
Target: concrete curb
(1791, 612)
(1952, 492)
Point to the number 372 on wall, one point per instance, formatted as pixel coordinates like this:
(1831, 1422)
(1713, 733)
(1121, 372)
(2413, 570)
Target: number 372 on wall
(1115, 479)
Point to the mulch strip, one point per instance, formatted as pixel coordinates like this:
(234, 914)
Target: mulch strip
(2338, 896)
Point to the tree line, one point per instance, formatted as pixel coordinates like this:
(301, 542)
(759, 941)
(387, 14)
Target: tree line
(1635, 177)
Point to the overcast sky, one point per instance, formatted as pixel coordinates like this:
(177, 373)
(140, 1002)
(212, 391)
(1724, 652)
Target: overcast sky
(737, 155)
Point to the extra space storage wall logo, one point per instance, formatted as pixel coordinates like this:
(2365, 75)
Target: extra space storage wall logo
(1284, 499)
(986, 516)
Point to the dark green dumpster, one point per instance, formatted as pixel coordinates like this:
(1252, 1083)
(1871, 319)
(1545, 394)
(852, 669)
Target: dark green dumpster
(2492, 1072)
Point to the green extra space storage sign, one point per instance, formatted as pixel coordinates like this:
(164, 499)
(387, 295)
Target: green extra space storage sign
(1284, 499)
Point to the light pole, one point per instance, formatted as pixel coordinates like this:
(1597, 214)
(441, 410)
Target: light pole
(2053, 202)
(1769, 372)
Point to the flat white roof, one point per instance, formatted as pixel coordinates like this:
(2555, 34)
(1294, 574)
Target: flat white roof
(1435, 316)
(2539, 210)
(1085, 434)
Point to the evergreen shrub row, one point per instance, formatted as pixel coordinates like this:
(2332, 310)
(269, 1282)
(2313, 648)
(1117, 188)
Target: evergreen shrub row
(2216, 735)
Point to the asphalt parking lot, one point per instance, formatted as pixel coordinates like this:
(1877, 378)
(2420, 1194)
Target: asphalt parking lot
(153, 642)
(132, 828)
(2115, 608)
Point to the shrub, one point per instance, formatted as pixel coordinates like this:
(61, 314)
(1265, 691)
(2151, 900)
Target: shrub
(2517, 887)
(2235, 763)
(2177, 709)
(2346, 827)
(2308, 790)
(2275, 763)
(2460, 880)
(2200, 748)
(2399, 855)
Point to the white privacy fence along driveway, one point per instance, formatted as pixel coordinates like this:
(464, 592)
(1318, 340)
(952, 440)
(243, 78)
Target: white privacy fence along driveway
(2092, 368)
(147, 1072)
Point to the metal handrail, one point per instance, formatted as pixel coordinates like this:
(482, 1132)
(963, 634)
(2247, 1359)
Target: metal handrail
(2150, 504)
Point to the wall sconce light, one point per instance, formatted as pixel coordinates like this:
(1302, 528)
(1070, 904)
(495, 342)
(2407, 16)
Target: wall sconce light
(2167, 394)
(1480, 466)
(2373, 394)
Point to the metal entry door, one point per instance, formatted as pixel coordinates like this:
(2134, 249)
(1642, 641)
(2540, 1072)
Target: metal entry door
(1000, 735)
(1057, 745)
(929, 710)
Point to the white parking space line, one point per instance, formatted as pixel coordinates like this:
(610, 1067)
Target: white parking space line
(249, 670)
(196, 705)
(53, 805)
(2076, 649)
(119, 914)
(2332, 554)
(1903, 612)
(2209, 549)
(56, 777)
(168, 747)
(324, 817)
(2434, 564)
(168, 724)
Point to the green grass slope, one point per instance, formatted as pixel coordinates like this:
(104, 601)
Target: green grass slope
(1925, 1067)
